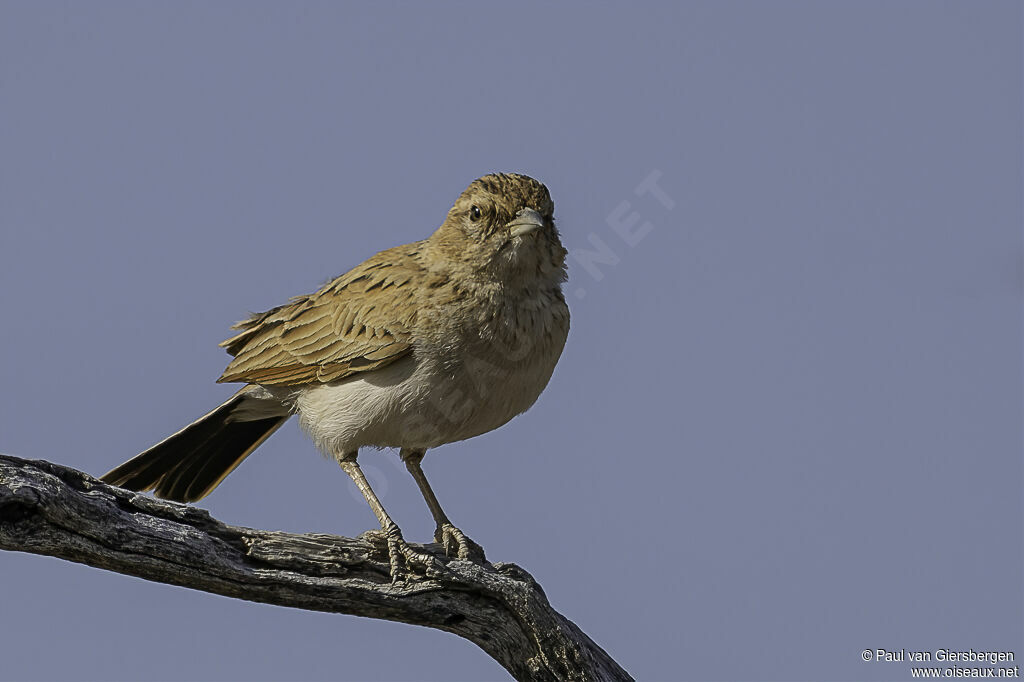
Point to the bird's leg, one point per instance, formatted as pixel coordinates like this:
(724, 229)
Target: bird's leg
(399, 550)
(455, 542)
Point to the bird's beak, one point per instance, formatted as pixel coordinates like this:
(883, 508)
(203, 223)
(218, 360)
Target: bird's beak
(525, 222)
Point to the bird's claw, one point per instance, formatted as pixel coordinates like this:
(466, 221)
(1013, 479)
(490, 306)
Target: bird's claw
(403, 559)
(457, 544)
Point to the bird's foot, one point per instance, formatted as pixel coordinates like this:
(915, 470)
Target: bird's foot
(457, 544)
(404, 560)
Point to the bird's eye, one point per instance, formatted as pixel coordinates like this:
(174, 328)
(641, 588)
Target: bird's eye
(475, 213)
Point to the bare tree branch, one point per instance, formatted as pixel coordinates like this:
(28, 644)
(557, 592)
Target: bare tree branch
(49, 509)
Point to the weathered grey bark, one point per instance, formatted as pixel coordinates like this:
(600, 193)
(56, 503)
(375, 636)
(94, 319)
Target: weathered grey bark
(49, 509)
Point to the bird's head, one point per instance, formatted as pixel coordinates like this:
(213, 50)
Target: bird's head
(502, 227)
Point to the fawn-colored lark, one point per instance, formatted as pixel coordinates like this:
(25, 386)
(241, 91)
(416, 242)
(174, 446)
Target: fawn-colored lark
(421, 345)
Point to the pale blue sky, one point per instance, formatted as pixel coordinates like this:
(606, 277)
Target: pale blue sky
(787, 423)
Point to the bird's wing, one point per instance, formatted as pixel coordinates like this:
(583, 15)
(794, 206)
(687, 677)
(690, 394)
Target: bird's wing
(358, 322)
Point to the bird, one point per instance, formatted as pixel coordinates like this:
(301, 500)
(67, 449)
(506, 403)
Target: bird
(419, 346)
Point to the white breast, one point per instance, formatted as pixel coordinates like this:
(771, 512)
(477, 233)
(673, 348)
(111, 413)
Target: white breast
(440, 395)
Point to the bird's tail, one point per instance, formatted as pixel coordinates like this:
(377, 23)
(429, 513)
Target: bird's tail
(188, 465)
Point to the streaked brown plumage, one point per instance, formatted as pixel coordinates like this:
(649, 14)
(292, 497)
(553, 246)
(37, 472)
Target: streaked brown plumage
(341, 329)
(421, 345)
